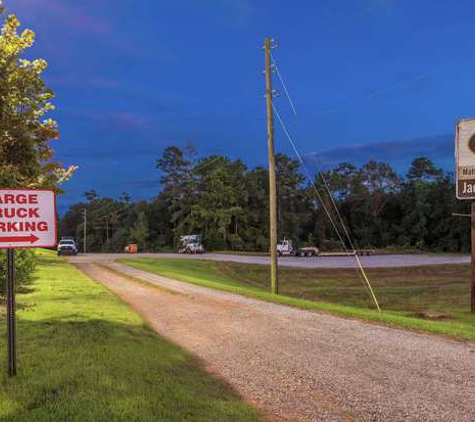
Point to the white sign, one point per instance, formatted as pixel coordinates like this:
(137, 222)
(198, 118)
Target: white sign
(465, 158)
(27, 218)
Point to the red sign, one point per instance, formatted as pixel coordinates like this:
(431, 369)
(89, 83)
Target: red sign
(27, 218)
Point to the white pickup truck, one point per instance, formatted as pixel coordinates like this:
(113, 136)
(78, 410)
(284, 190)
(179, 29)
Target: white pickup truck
(67, 246)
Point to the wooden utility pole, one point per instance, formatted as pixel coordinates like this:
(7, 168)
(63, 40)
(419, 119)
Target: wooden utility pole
(272, 176)
(85, 230)
(107, 230)
(472, 230)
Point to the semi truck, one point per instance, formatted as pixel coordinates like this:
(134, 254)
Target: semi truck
(192, 244)
(286, 248)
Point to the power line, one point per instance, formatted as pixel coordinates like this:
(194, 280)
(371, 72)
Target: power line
(283, 84)
(373, 94)
(325, 183)
(105, 216)
(206, 164)
(294, 147)
(358, 261)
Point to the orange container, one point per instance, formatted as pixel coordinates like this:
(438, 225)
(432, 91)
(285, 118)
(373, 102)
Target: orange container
(132, 248)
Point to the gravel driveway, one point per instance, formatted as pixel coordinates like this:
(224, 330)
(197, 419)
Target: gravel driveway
(375, 261)
(298, 365)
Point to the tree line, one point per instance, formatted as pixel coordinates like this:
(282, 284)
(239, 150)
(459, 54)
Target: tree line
(227, 203)
(221, 198)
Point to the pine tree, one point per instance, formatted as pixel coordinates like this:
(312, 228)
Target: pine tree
(140, 232)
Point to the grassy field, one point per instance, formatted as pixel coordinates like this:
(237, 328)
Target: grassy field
(83, 355)
(408, 296)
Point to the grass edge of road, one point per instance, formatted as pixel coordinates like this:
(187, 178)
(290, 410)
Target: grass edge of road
(78, 348)
(451, 329)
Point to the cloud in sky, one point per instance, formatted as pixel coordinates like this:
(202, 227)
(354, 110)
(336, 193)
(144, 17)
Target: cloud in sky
(374, 94)
(70, 13)
(242, 10)
(234, 13)
(134, 76)
(107, 83)
(91, 154)
(76, 80)
(115, 120)
(139, 189)
(398, 153)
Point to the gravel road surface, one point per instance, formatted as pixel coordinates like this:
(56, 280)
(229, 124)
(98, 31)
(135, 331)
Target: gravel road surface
(374, 261)
(297, 365)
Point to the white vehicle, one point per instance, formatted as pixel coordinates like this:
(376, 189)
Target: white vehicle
(67, 247)
(191, 244)
(286, 247)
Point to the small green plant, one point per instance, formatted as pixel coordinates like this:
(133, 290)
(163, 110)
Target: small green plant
(25, 263)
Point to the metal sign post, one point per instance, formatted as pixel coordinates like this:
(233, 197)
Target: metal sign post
(27, 220)
(11, 328)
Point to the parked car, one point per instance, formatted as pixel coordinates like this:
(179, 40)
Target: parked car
(67, 247)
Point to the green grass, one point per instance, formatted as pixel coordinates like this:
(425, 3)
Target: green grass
(83, 355)
(403, 293)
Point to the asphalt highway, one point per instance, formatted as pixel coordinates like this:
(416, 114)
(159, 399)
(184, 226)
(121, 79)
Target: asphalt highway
(374, 261)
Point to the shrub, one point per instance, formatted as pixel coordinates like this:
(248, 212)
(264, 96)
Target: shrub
(25, 263)
(236, 243)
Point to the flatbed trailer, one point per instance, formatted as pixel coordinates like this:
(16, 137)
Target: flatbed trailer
(323, 254)
(360, 252)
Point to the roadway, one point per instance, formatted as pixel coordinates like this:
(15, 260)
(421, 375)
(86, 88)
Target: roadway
(375, 261)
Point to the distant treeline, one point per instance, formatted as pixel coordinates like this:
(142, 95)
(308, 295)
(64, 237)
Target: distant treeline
(228, 204)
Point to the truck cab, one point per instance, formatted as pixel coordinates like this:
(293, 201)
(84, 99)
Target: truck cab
(285, 247)
(191, 244)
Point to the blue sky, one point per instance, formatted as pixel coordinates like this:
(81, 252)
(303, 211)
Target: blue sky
(383, 79)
